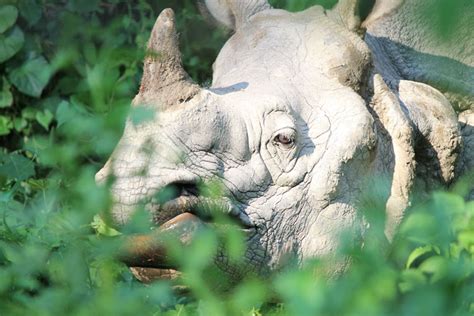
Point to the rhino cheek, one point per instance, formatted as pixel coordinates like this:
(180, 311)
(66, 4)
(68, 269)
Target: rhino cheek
(250, 176)
(325, 228)
(121, 213)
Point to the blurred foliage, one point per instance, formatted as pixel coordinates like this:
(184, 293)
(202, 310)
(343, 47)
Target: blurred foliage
(68, 72)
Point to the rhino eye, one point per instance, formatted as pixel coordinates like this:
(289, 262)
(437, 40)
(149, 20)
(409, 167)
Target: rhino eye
(286, 139)
(283, 139)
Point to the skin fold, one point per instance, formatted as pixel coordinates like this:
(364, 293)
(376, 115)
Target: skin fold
(305, 114)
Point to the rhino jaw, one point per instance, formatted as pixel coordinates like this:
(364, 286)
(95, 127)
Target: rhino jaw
(149, 251)
(178, 220)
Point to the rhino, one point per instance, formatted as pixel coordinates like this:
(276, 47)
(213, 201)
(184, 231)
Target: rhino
(306, 112)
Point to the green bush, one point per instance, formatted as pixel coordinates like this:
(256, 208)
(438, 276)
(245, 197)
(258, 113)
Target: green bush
(68, 72)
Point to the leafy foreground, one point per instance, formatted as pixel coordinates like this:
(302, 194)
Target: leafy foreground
(68, 71)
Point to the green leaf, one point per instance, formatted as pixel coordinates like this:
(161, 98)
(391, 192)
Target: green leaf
(32, 77)
(411, 279)
(30, 10)
(466, 238)
(436, 266)
(65, 113)
(50, 103)
(38, 184)
(141, 114)
(19, 123)
(419, 252)
(8, 16)
(6, 97)
(11, 43)
(78, 6)
(44, 118)
(102, 228)
(16, 166)
(29, 113)
(448, 202)
(5, 125)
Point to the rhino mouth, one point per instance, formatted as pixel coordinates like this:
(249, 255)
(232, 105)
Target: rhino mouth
(179, 218)
(186, 197)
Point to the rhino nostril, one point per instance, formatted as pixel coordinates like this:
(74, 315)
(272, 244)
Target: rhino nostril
(189, 189)
(175, 190)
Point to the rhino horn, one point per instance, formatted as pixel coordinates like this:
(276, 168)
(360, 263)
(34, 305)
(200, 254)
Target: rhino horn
(165, 82)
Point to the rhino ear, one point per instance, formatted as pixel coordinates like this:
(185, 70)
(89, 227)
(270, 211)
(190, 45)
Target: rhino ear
(235, 13)
(358, 14)
(438, 134)
(164, 81)
(397, 160)
(418, 121)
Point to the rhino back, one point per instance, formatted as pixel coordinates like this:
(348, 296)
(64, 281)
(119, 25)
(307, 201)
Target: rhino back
(414, 42)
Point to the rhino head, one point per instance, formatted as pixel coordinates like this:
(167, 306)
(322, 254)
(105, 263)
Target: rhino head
(295, 127)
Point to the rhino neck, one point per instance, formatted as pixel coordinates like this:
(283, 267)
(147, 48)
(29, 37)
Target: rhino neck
(407, 44)
(466, 161)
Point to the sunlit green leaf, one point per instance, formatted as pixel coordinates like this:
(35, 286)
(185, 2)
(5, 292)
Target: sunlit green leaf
(19, 123)
(6, 97)
(201, 252)
(419, 252)
(466, 238)
(8, 16)
(420, 226)
(435, 266)
(411, 279)
(301, 292)
(234, 242)
(141, 114)
(5, 125)
(449, 202)
(44, 118)
(470, 208)
(102, 228)
(249, 295)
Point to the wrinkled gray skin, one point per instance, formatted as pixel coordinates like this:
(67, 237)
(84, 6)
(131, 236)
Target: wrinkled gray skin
(303, 117)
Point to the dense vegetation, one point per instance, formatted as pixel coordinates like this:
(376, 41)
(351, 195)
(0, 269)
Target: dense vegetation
(68, 72)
